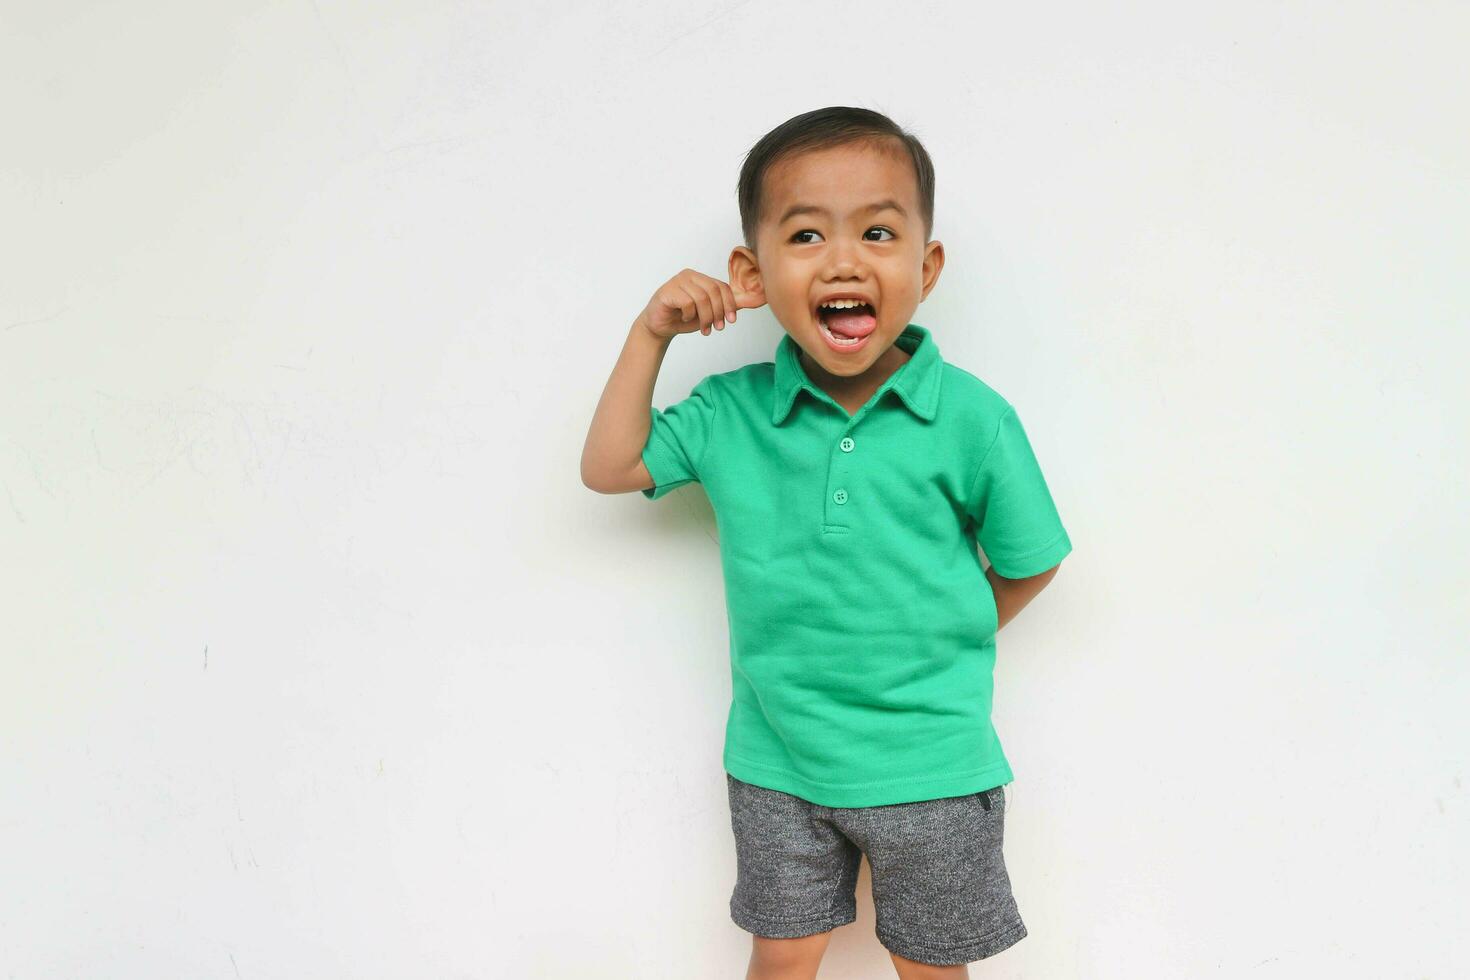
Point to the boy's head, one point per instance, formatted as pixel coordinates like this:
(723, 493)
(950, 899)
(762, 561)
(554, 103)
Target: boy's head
(810, 192)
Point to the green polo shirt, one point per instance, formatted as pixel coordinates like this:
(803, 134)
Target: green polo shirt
(862, 626)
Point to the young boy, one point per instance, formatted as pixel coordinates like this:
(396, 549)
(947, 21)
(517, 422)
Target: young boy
(851, 478)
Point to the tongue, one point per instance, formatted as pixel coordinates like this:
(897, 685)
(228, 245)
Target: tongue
(857, 322)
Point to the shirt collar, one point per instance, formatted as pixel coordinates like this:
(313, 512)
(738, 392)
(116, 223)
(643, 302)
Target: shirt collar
(916, 381)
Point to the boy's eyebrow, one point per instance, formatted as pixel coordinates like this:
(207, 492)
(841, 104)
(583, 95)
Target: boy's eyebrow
(886, 204)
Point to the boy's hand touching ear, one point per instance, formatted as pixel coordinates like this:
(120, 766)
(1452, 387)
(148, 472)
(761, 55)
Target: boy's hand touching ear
(694, 301)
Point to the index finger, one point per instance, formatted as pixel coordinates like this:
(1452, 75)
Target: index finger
(728, 294)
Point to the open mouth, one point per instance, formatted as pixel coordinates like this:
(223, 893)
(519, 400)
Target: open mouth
(846, 326)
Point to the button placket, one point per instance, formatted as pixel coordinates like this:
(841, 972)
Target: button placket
(837, 489)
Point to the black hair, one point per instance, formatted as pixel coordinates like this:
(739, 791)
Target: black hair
(822, 129)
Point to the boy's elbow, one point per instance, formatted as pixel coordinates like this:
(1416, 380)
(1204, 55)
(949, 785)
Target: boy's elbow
(624, 482)
(597, 476)
(594, 479)
(597, 483)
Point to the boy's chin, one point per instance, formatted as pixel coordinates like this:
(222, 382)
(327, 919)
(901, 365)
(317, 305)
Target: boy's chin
(843, 363)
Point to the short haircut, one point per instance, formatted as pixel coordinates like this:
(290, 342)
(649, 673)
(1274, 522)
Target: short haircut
(822, 129)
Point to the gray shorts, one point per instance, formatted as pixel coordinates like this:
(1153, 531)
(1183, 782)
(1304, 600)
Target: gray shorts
(940, 887)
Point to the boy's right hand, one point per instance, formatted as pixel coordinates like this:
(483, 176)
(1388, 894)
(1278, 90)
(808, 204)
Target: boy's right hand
(694, 301)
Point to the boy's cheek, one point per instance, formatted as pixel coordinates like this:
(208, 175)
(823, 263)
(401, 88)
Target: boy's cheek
(788, 309)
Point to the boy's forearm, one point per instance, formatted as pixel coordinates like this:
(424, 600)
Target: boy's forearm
(1012, 594)
(619, 429)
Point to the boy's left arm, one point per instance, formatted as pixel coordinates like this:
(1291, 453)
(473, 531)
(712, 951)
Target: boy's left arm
(1012, 594)
(1016, 520)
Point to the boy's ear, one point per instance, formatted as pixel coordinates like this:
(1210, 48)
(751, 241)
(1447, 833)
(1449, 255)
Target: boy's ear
(933, 263)
(745, 275)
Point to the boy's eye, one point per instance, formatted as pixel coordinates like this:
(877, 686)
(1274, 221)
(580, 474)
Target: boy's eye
(808, 231)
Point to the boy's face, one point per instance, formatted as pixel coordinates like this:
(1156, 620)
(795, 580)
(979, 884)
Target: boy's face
(847, 247)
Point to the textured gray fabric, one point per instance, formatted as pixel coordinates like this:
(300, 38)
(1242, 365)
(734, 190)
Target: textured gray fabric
(940, 887)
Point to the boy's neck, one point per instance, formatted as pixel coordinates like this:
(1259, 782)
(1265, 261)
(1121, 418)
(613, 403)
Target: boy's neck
(853, 393)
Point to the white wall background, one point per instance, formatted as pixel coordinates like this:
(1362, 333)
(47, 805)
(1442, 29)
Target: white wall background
(319, 660)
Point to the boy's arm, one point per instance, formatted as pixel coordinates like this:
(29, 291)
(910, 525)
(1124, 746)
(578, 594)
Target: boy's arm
(612, 460)
(1012, 594)
(1016, 520)
(612, 457)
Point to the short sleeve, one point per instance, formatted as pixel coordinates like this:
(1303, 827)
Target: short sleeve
(1015, 519)
(678, 438)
